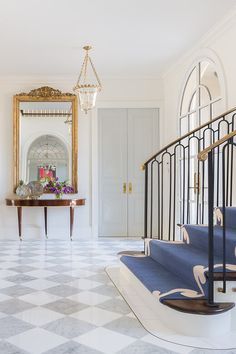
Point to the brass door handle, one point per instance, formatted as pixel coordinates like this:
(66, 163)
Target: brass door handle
(130, 188)
(124, 188)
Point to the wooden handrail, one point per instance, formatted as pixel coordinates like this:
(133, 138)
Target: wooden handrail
(186, 135)
(203, 155)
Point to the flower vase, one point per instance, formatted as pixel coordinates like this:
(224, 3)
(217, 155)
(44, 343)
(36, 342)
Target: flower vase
(59, 196)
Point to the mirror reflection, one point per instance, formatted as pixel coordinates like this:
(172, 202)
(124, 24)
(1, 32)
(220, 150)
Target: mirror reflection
(45, 141)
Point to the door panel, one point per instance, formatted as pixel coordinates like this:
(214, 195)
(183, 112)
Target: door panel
(112, 172)
(142, 143)
(127, 137)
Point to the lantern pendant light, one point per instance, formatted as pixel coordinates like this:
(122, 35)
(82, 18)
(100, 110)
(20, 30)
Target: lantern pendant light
(88, 84)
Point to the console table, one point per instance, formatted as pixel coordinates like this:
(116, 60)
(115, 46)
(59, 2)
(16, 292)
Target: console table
(45, 203)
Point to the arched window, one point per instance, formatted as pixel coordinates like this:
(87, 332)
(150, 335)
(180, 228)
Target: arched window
(202, 96)
(47, 157)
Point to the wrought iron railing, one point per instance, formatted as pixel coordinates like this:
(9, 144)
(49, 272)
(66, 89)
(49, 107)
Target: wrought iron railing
(176, 182)
(226, 170)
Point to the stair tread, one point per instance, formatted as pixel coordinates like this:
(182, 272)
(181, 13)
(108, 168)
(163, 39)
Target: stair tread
(155, 277)
(198, 238)
(230, 213)
(183, 260)
(218, 230)
(182, 251)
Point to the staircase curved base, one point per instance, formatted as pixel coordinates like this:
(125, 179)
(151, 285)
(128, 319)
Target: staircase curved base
(199, 307)
(194, 330)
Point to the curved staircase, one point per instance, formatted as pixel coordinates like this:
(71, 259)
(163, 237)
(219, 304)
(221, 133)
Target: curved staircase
(176, 273)
(189, 262)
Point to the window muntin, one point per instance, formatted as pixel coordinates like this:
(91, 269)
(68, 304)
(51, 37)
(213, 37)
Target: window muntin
(201, 97)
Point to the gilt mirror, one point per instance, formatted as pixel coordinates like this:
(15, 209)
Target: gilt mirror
(45, 136)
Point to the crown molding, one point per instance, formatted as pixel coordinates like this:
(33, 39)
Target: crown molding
(216, 31)
(40, 80)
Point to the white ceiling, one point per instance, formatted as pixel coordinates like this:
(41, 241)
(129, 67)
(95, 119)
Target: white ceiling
(130, 37)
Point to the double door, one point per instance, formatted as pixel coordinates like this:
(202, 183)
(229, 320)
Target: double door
(127, 137)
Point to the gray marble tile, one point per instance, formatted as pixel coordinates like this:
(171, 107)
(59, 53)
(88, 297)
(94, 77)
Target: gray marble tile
(140, 347)
(90, 255)
(27, 254)
(7, 348)
(115, 305)
(10, 326)
(13, 306)
(72, 348)
(210, 351)
(102, 278)
(20, 278)
(109, 290)
(61, 278)
(57, 253)
(66, 306)
(17, 290)
(59, 268)
(69, 327)
(128, 326)
(23, 269)
(27, 261)
(62, 290)
(59, 261)
(95, 268)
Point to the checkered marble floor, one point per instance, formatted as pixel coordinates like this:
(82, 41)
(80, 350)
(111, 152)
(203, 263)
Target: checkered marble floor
(55, 298)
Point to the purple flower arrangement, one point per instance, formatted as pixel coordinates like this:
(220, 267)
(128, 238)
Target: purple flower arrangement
(58, 188)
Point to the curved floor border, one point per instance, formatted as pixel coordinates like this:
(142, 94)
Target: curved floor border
(156, 328)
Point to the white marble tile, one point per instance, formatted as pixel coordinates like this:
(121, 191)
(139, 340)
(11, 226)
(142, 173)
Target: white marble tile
(89, 298)
(85, 284)
(6, 273)
(37, 340)
(40, 284)
(3, 315)
(9, 258)
(41, 264)
(46, 257)
(38, 316)
(112, 344)
(39, 298)
(96, 316)
(106, 258)
(41, 273)
(6, 265)
(5, 283)
(85, 261)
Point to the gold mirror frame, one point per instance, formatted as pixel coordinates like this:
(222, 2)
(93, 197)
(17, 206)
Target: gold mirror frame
(45, 94)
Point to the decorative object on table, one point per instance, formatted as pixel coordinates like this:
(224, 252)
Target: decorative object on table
(22, 190)
(58, 188)
(36, 189)
(88, 84)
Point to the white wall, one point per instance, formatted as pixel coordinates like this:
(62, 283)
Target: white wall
(218, 45)
(116, 93)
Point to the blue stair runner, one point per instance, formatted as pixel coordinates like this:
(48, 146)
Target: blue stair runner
(178, 270)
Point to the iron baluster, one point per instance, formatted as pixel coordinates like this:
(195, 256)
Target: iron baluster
(210, 230)
(146, 202)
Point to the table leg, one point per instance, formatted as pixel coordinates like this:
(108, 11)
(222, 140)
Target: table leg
(71, 221)
(46, 221)
(19, 214)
